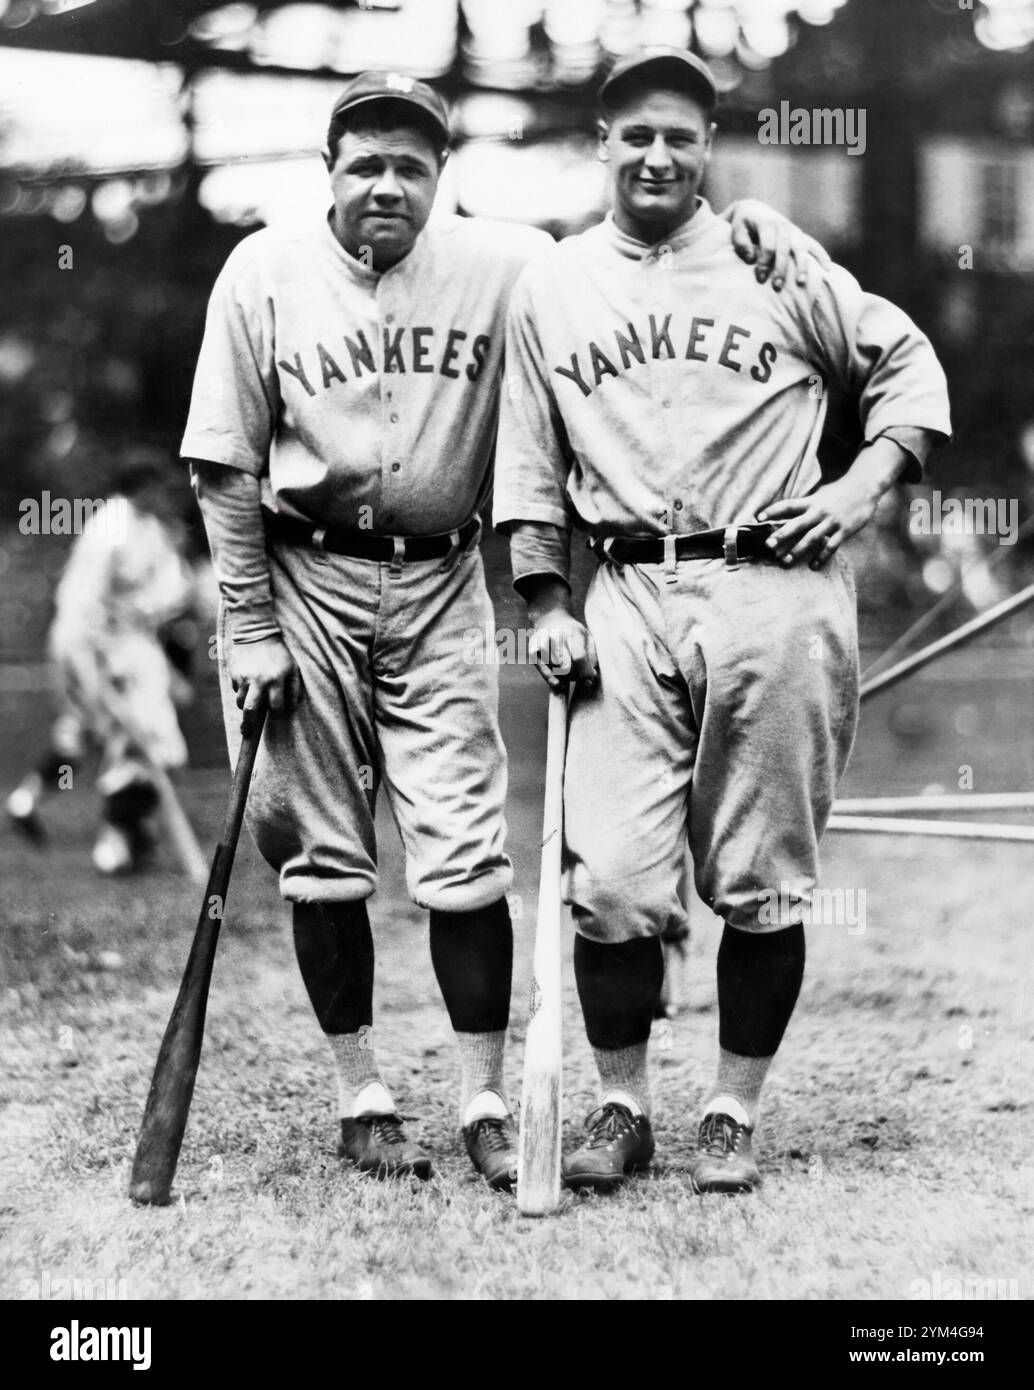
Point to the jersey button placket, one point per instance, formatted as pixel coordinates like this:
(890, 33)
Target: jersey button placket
(390, 464)
(663, 390)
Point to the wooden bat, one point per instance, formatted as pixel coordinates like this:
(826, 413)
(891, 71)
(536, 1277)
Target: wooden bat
(172, 1085)
(538, 1150)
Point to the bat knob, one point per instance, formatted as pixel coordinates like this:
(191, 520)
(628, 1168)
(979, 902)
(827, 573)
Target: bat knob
(147, 1194)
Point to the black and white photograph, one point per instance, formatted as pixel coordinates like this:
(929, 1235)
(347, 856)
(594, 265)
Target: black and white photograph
(517, 666)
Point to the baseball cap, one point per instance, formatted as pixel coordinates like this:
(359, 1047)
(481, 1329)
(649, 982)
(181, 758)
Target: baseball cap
(678, 65)
(393, 86)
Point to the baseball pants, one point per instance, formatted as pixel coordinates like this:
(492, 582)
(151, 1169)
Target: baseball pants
(390, 696)
(726, 706)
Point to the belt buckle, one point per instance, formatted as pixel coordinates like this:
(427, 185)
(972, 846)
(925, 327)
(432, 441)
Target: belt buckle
(398, 554)
(729, 547)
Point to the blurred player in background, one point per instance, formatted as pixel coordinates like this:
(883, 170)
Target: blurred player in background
(120, 643)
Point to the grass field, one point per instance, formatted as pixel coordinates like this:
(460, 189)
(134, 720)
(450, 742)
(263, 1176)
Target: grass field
(895, 1139)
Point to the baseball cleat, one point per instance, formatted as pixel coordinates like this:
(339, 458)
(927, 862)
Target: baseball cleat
(724, 1160)
(23, 812)
(492, 1146)
(378, 1144)
(619, 1143)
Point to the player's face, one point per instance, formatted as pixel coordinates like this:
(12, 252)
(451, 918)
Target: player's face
(657, 145)
(383, 183)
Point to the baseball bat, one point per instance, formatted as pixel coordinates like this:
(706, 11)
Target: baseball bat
(538, 1149)
(172, 1085)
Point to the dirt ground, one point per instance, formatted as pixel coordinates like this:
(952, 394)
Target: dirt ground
(895, 1138)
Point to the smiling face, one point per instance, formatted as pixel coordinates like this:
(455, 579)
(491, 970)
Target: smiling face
(383, 182)
(657, 143)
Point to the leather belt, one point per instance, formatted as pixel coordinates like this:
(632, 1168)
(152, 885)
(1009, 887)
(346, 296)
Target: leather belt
(728, 543)
(365, 545)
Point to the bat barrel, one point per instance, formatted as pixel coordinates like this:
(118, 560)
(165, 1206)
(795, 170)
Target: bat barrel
(175, 1072)
(538, 1159)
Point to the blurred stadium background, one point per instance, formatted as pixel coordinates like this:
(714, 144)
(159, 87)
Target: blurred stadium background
(148, 136)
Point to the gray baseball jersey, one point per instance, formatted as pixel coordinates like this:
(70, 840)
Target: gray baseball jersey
(362, 400)
(688, 397)
(369, 401)
(658, 390)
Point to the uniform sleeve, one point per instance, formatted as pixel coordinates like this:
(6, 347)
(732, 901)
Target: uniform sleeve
(538, 550)
(918, 444)
(235, 400)
(876, 350)
(532, 453)
(232, 515)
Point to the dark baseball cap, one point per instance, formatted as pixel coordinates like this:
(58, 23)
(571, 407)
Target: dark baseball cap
(676, 65)
(393, 86)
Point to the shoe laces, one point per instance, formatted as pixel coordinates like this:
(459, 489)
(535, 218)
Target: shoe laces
(719, 1134)
(386, 1129)
(607, 1123)
(490, 1131)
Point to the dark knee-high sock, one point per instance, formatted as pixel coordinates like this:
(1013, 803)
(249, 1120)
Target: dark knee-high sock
(619, 984)
(334, 946)
(472, 955)
(759, 979)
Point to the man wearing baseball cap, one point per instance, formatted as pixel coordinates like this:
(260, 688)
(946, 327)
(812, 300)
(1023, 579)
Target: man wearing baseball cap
(665, 404)
(658, 62)
(341, 434)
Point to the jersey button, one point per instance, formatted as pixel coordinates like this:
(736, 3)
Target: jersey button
(389, 318)
(396, 467)
(678, 504)
(393, 418)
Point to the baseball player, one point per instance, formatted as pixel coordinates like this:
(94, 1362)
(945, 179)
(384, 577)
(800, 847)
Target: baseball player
(341, 432)
(659, 401)
(123, 596)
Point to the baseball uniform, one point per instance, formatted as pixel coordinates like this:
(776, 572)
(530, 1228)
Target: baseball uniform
(658, 391)
(368, 403)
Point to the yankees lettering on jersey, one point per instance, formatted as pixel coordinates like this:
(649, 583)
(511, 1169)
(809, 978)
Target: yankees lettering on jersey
(404, 349)
(354, 395)
(705, 340)
(662, 389)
